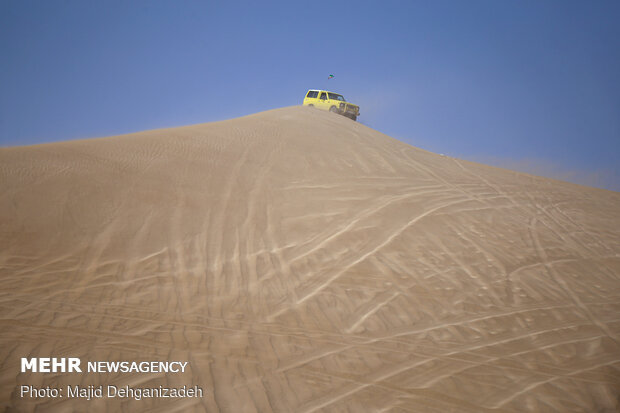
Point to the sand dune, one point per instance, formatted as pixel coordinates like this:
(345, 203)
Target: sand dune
(302, 262)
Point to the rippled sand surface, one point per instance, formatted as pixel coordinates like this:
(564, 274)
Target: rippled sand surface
(302, 262)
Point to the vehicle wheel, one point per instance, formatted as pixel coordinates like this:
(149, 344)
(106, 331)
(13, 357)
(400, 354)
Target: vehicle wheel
(353, 118)
(311, 105)
(333, 109)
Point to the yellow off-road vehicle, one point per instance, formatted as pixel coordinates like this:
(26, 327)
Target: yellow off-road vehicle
(322, 99)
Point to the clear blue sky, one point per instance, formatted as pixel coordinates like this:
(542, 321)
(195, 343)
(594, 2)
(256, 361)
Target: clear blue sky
(513, 83)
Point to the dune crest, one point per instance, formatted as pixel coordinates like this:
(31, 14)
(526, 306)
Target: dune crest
(302, 262)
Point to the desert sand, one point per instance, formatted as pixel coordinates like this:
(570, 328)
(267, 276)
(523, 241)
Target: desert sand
(302, 262)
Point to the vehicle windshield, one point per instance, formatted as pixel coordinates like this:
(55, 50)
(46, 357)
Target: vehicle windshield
(335, 96)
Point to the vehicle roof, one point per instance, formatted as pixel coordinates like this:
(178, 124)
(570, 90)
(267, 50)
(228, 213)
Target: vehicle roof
(322, 90)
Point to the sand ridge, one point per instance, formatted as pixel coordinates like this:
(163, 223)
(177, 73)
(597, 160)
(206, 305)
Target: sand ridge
(302, 262)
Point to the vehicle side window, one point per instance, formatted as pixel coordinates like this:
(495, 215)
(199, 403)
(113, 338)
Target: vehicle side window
(323, 95)
(312, 94)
